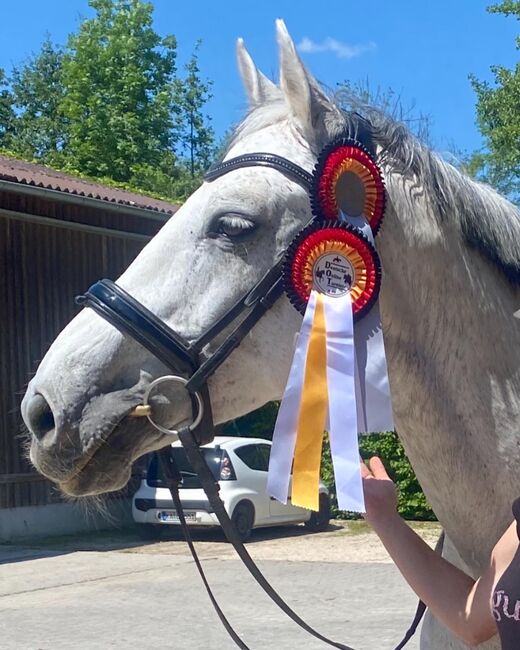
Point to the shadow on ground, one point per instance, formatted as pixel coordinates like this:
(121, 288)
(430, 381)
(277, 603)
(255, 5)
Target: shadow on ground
(128, 538)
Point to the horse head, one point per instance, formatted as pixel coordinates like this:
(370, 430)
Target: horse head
(215, 248)
(449, 251)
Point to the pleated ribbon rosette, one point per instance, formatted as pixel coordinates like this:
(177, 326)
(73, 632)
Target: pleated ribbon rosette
(338, 378)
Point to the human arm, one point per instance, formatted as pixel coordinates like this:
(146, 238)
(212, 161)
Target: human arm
(462, 604)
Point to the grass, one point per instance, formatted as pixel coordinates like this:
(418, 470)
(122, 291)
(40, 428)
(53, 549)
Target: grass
(354, 528)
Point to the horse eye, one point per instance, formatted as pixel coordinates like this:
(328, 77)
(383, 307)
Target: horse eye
(234, 225)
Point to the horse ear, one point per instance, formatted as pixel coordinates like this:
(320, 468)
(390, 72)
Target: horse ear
(259, 89)
(307, 102)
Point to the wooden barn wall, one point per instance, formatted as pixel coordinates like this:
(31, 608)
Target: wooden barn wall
(83, 214)
(42, 268)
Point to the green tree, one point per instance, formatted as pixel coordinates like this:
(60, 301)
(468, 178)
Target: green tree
(38, 92)
(507, 7)
(7, 114)
(498, 118)
(109, 105)
(197, 139)
(118, 74)
(257, 424)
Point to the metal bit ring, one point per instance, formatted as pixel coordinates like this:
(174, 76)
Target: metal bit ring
(179, 380)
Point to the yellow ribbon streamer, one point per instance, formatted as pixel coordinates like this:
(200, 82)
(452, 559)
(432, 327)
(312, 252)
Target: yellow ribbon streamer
(312, 416)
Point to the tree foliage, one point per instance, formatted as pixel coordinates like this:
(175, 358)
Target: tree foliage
(7, 114)
(110, 104)
(119, 73)
(508, 8)
(41, 129)
(412, 503)
(196, 135)
(257, 424)
(498, 118)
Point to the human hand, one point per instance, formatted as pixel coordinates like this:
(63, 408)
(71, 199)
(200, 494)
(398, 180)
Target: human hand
(380, 492)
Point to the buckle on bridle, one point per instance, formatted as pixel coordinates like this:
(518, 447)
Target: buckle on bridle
(180, 380)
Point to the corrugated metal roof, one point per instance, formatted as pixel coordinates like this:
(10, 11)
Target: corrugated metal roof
(26, 173)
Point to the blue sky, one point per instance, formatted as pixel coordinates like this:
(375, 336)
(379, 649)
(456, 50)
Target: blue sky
(424, 50)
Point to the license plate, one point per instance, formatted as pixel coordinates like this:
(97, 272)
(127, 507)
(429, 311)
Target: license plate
(171, 515)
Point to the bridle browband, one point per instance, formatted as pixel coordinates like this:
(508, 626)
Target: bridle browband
(185, 357)
(290, 169)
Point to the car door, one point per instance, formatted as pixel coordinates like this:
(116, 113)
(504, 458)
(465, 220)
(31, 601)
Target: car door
(285, 511)
(256, 458)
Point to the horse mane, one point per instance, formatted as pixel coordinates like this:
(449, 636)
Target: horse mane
(486, 220)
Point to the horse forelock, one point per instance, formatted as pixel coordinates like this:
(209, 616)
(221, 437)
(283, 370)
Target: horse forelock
(486, 220)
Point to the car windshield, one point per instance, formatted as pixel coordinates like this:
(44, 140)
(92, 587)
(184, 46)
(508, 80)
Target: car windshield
(190, 479)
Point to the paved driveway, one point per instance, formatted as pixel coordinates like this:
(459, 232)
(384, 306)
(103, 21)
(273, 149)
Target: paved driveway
(109, 591)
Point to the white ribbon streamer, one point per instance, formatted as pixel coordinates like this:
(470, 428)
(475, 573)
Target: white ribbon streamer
(343, 421)
(374, 400)
(284, 435)
(372, 386)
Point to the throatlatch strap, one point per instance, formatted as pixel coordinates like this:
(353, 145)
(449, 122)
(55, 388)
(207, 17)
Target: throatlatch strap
(196, 459)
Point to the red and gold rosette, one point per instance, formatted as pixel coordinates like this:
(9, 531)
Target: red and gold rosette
(332, 275)
(332, 258)
(339, 157)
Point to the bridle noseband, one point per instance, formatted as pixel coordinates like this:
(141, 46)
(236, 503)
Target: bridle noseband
(192, 369)
(185, 357)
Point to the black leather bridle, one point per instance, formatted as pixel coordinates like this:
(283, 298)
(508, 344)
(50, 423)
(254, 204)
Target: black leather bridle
(187, 360)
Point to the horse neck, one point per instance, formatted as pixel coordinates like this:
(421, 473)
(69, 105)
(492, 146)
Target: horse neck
(453, 354)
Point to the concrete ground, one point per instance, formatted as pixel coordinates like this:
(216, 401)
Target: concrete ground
(109, 590)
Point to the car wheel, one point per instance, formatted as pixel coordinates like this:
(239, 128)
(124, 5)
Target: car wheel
(243, 518)
(319, 521)
(149, 532)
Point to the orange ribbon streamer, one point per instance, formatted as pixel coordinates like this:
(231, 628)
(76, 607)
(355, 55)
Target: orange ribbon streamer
(312, 416)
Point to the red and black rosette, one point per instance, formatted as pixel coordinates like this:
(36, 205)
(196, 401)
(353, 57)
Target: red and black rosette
(336, 159)
(333, 258)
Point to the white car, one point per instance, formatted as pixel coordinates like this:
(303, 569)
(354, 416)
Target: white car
(240, 467)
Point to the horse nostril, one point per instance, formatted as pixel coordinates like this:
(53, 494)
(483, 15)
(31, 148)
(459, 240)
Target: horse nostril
(40, 419)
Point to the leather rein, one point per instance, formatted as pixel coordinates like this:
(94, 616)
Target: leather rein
(192, 369)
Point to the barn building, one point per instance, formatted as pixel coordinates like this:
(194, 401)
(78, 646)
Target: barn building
(58, 234)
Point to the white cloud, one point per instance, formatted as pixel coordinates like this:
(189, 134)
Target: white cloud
(341, 50)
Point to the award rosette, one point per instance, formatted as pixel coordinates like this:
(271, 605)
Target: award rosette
(334, 259)
(339, 160)
(338, 376)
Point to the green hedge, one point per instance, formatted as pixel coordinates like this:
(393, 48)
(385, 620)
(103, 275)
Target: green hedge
(412, 502)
